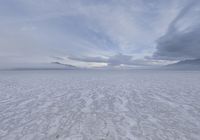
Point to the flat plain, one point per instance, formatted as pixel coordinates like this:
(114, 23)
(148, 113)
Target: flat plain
(100, 105)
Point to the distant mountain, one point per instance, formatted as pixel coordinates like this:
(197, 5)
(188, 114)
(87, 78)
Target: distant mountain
(185, 65)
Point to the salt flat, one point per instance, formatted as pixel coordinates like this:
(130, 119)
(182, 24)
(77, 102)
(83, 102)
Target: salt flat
(99, 105)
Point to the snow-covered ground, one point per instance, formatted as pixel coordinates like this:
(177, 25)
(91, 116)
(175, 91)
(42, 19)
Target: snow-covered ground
(99, 105)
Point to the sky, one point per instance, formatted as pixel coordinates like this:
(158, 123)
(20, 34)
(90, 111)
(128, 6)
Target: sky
(97, 33)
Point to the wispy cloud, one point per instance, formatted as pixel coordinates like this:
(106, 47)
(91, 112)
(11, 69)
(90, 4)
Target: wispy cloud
(35, 30)
(182, 38)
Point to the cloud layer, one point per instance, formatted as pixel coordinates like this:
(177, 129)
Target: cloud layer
(182, 40)
(117, 31)
(116, 60)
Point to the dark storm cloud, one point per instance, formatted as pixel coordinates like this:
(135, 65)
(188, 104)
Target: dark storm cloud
(182, 40)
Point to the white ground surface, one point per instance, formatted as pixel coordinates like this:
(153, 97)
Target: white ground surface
(99, 105)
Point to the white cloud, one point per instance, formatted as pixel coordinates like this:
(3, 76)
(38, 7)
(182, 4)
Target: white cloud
(83, 28)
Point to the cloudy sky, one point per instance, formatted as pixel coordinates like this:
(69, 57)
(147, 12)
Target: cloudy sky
(95, 33)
